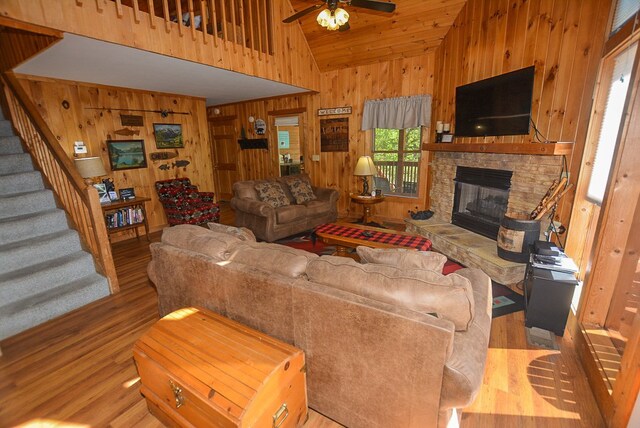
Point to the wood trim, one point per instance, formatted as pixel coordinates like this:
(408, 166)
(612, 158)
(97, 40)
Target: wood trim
(32, 28)
(286, 111)
(549, 149)
(298, 94)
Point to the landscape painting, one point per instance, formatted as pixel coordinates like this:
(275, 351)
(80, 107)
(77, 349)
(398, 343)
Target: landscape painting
(126, 154)
(168, 136)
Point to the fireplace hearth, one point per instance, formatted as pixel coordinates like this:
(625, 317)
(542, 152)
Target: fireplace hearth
(480, 199)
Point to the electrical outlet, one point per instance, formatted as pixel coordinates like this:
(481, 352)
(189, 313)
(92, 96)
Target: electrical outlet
(315, 158)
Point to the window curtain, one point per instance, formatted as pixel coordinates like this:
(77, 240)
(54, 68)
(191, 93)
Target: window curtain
(397, 113)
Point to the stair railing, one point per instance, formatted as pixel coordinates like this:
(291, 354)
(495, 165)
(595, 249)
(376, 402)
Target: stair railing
(79, 200)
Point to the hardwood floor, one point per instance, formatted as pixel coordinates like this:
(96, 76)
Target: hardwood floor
(78, 370)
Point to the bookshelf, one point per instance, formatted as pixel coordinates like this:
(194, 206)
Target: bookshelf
(124, 215)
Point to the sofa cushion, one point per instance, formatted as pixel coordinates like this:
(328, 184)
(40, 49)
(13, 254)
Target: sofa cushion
(290, 213)
(198, 239)
(272, 258)
(451, 297)
(272, 194)
(403, 258)
(301, 190)
(317, 207)
(242, 233)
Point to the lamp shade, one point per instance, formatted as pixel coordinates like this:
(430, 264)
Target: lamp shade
(365, 166)
(90, 167)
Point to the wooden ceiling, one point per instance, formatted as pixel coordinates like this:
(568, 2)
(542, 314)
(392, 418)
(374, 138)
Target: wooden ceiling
(415, 27)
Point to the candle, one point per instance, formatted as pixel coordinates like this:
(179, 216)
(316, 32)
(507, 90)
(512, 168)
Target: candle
(439, 127)
(447, 127)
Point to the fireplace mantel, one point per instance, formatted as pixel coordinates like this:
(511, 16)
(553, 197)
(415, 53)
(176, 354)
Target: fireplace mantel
(549, 149)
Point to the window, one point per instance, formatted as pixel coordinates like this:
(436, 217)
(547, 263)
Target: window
(611, 122)
(624, 10)
(396, 153)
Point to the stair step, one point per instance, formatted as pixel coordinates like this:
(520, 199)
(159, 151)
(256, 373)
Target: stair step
(31, 280)
(15, 163)
(6, 130)
(20, 183)
(26, 203)
(21, 254)
(10, 145)
(20, 316)
(14, 229)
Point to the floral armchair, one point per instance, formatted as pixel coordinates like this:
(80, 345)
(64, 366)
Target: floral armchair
(183, 204)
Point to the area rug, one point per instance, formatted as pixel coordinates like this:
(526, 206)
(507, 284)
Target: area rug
(505, 300)
(307, 241)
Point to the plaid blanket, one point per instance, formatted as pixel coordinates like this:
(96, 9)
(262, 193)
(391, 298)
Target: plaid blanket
(418, 242)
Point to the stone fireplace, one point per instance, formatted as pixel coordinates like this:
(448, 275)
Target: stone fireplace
(480, 199)
(531, 177)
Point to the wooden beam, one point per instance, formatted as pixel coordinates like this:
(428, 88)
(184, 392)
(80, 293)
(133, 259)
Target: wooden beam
(31, 28)
(556, 149)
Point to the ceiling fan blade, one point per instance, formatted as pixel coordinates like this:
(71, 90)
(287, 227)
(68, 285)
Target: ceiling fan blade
(344, 27)
(381, 6)
(302, 13)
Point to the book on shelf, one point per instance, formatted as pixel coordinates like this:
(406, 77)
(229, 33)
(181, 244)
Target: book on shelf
(124, 217)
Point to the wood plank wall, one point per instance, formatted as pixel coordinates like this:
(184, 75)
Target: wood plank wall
(17, 46)
(291, 62)
(563, 39)
(95, 127)
(345, 87)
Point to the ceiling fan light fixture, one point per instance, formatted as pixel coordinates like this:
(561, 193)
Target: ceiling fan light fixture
(333, 20)
(324, 17)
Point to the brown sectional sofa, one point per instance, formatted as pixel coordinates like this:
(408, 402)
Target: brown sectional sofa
(269, 223)
(381, 351)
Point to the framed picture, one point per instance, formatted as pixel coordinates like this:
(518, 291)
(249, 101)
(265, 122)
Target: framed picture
(126, 154)
(168, 136)
(334, 135)
(127, 193)
(102, 193)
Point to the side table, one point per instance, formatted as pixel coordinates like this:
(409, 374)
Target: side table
(367, 202)
(129, 214)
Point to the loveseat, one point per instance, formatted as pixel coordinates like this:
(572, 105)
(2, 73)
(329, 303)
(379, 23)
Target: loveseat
(276, 208)
(384, 346)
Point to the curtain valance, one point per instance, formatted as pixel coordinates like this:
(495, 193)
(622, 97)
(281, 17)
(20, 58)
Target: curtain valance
(397, 113)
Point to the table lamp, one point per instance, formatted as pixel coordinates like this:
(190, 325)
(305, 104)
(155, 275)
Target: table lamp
(365, 168)
(90, 168)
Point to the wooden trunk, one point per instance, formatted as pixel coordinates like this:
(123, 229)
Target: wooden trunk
(200, 369)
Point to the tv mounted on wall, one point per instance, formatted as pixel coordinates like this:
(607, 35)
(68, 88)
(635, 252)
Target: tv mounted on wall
(500, 105)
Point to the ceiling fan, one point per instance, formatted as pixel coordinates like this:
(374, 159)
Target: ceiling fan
(335, 17)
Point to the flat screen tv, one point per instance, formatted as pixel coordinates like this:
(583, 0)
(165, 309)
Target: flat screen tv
(500, 105)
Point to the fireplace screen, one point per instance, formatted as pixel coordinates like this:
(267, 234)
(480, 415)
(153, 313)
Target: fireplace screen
(480, 200)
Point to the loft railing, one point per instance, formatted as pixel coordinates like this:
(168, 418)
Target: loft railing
(241, 23)
(79, 200)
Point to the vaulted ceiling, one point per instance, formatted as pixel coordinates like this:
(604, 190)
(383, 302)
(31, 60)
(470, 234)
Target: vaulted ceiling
(415, 27)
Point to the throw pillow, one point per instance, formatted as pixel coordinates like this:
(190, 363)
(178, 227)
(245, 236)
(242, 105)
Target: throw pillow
(272, 194)
(402, 258)
(241, 233)
(301, 190)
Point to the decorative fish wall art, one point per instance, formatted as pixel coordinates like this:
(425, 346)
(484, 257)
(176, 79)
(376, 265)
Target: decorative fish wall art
(180, 163)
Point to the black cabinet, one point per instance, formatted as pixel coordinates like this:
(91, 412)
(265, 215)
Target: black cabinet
(548, 295)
